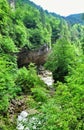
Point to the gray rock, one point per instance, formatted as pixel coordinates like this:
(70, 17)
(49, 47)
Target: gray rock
(24, 114)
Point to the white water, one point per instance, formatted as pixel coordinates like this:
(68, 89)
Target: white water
(47, 77)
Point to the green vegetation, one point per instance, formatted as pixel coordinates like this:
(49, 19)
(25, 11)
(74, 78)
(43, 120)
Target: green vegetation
(62, 58)
(30, 26)
(75, 18)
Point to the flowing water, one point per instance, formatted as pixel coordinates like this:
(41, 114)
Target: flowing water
(47, 77)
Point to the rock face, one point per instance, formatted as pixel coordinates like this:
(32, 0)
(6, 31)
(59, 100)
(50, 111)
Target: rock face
(38, 56)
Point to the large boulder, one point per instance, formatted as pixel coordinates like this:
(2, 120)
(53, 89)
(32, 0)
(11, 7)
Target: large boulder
(37, 56)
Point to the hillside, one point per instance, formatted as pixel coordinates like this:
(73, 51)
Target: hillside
(72, 19)
(75, 19)
(41, 69)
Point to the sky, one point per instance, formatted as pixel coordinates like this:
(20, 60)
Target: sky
(62, 7)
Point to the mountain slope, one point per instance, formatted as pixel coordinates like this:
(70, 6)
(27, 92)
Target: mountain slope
(75, 18)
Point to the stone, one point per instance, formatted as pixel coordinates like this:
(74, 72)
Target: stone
(47, 77)
(23, 121)
(13, 101)
(24, 114)
(22, 118)
(38, 56)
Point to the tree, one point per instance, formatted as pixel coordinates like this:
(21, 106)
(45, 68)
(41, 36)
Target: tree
(62, 56)
(64, 29)
(42, 15)
(8, 87)
(7, 45)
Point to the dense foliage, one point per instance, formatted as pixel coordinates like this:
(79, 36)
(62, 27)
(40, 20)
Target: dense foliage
(62, 106)
(62, 58)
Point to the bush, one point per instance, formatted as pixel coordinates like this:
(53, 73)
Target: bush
(40, 94)
(62, 56)
(7, 82)
(27, 78)
(65, 110)
(7, 45)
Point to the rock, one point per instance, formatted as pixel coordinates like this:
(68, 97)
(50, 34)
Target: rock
(24, 114)
(13, 101)
(38, 56)
(24, 121)
(46, 76)
(16, 106)
(21, 120)
(19, 103)
(20, 127)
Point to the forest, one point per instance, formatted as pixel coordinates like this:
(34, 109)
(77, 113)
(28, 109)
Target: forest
(26, 25)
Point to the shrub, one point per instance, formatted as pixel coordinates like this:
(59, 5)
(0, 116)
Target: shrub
(62, 56)
(7, 45)
(27, 78)
(40, 94)
(7, 82)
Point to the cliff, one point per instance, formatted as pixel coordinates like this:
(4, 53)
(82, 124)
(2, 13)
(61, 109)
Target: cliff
(37, 56)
